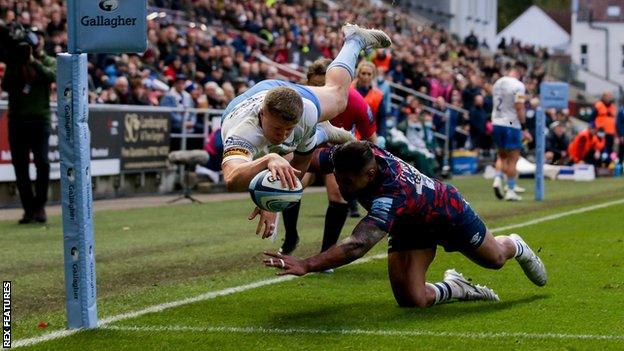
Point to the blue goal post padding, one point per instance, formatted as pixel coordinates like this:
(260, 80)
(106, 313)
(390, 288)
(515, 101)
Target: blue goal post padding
(107, 26)
(554, 95)
(74, 141)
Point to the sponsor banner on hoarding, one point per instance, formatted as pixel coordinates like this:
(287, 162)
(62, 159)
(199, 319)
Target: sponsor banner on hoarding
(145, 140)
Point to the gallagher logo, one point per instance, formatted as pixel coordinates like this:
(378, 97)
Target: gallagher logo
(109, 5)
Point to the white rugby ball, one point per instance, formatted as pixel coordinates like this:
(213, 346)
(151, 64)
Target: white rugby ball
(268, 194)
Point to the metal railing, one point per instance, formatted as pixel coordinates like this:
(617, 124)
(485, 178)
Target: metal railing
(426, 97)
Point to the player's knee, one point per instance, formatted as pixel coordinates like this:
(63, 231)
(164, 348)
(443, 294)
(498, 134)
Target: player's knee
(412, 300)
(410, 303)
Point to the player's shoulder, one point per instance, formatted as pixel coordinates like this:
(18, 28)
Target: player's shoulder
(242, 123)
(515, 82)
(310, 114)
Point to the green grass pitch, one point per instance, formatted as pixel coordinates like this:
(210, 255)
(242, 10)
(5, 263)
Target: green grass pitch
(147, 257)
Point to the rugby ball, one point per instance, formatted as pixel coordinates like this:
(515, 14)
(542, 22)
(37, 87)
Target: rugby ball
(268, 194)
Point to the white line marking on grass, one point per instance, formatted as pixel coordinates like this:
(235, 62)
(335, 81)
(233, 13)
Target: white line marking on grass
(158, 308)
(559, 215)
(377, 332)
(211, 295)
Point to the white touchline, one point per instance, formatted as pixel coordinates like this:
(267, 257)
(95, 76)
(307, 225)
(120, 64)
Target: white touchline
(214, 294)
(559, 215)
(376, 332)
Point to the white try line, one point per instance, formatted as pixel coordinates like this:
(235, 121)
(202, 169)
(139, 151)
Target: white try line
(214, 294)
(374, 332)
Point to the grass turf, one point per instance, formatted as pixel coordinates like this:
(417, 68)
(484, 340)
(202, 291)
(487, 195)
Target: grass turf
(151, 256)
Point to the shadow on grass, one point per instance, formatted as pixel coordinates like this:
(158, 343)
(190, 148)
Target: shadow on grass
(386, 313)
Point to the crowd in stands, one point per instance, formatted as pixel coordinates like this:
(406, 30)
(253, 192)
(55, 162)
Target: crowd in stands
(206, 54)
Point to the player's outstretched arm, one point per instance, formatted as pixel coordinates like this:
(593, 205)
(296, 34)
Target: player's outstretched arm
(237, 173)
(364, 237)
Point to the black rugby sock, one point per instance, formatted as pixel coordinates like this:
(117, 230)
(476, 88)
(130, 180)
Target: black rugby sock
(335, 218)
(291, 216)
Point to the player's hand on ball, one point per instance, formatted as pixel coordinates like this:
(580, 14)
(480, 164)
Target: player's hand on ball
(267, 219)
(282, 170)
(287, 264)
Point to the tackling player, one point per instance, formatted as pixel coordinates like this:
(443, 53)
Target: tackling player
(418, 214)
(358, 116)
(507, 118)
(276, 118)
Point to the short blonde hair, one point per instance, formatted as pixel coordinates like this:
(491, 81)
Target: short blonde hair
(284, 103)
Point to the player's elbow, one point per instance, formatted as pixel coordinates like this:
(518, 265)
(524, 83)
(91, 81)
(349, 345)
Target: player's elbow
(231, 185)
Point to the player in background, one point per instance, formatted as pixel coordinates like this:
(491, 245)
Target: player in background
(276, 118)
(358, 116)
(417, 214)
(508, 117)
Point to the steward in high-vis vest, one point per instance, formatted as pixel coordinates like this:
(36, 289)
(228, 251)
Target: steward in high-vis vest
(365, 75)
(604, 115)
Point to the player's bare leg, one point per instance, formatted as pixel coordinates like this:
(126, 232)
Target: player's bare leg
(501, 164)
(407, 271)
(495, 251)
(334, 94)
(512, 175)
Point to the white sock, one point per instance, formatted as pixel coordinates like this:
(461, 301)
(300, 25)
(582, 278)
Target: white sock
(443, 291)
(519, 247)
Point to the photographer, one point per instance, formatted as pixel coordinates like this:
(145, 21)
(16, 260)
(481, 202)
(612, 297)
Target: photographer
(28, 78)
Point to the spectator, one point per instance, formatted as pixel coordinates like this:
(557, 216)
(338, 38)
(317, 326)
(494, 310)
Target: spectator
(442, 86)
(121, 92)
(531, 112)
(413, 141)
(471, 41)
(478, 120)
(382, 60)
(587, 146)
(139, 94)
(603, 115)
(473, 89)
(215, 100)
(384, 86)
(178, 97)
(557, 144)
(28, 79)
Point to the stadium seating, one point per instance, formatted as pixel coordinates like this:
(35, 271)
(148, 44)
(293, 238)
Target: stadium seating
(224, 47)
